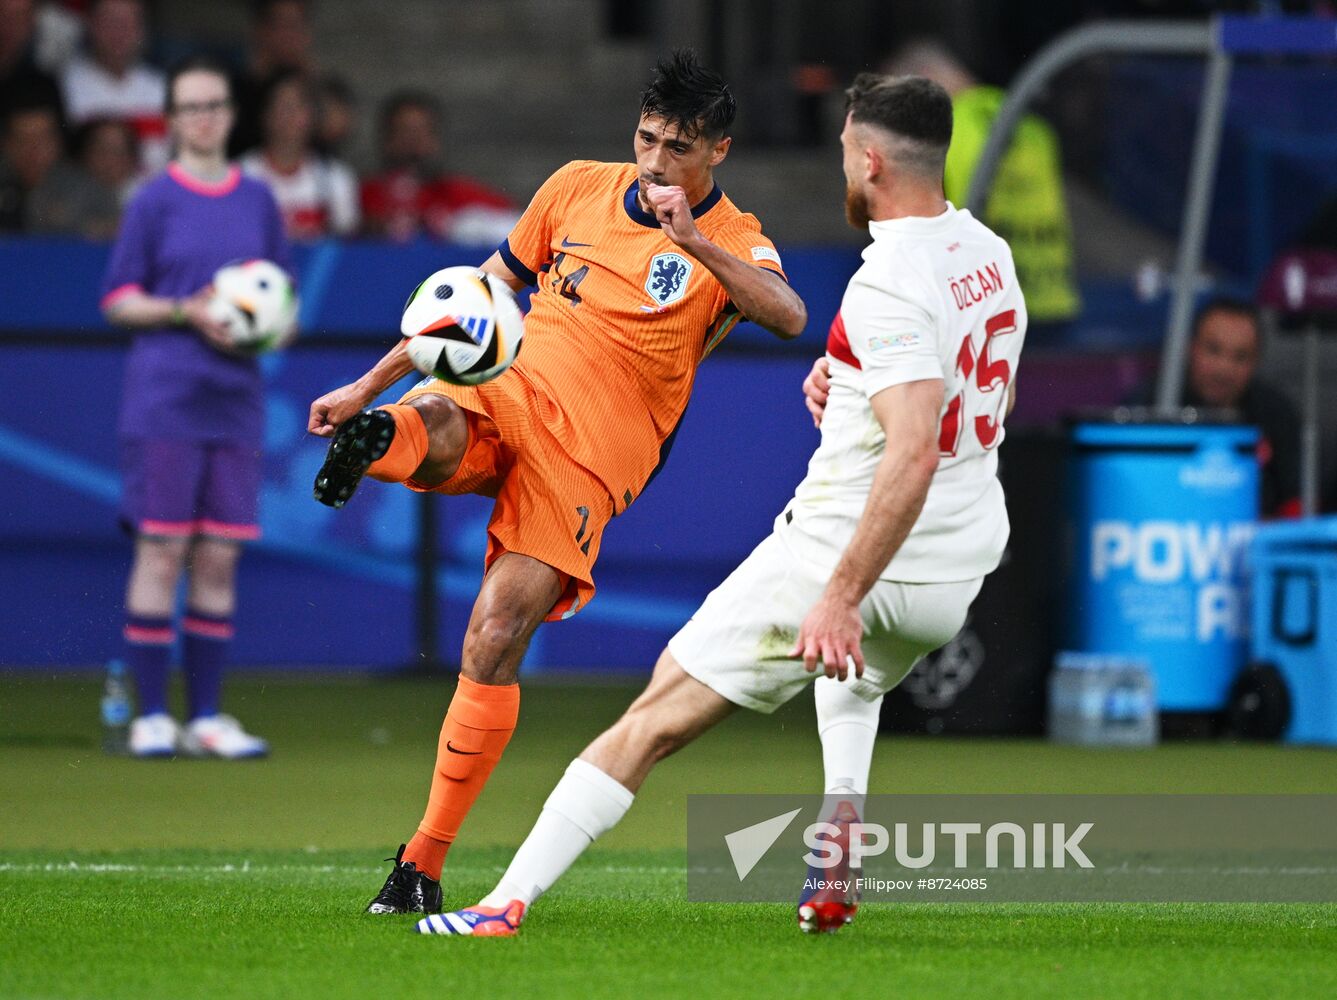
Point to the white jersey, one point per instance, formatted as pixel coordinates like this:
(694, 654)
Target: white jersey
(318, 199)
(137, 97)
(935, 298)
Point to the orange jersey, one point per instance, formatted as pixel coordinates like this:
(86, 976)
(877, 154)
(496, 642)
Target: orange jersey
(622, 315)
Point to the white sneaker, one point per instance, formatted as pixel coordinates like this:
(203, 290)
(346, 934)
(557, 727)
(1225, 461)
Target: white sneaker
(155, 735)
(221, 736)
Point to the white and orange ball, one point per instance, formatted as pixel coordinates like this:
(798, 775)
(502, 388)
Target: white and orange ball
(256, 303)
(463, 325)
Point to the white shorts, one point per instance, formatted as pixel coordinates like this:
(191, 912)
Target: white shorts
(738, 641)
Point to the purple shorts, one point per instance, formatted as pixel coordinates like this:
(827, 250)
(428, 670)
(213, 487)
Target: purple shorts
(177, 489)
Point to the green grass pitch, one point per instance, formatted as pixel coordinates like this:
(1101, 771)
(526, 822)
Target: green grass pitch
(184, 879)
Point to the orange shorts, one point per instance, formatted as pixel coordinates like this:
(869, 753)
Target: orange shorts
(548, 506)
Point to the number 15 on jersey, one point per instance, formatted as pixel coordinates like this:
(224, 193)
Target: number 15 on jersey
(986, 375)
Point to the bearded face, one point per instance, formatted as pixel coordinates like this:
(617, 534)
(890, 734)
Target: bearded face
(856, 206)
(853, 164)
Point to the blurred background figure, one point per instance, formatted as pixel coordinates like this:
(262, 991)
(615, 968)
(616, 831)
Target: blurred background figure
(109, 79)
(281, 37)
(1223, 374)
(281, 41)
(336, 118)
(58, 30)
(413, 195)
(108, 151)
(32, 161)
(317, 195)
(1026, 205)
(191, 418)
(22, 80)
(84, 197)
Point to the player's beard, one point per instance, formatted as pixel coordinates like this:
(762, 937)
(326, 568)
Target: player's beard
(856, 207)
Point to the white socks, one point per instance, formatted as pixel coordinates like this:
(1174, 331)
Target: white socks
(848, 726)
(586, 804)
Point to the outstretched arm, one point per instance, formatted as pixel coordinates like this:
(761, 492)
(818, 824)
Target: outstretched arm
(333, 408)
(760, 295)
(909, 416)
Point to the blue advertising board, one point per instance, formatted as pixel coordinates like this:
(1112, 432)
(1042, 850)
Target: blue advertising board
(326, 588)
(337, 589)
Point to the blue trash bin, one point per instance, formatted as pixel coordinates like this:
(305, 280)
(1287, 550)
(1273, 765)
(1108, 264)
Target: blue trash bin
(1295, 620)
(1160, 518)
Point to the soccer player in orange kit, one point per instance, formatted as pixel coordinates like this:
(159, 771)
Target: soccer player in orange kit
(641, 269)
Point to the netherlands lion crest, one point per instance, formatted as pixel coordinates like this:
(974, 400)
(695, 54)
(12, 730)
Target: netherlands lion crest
(667, 280)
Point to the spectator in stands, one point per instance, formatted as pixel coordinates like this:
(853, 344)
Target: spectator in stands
(1026, 204)
(1223, 374)
(59, 30)
(85, 198)
(336, 118)
(39, 190)
(75, 201)
(111, 80)
(413, 195)
(281, 41)
(318, 196)
(108, 151)
(22, 81)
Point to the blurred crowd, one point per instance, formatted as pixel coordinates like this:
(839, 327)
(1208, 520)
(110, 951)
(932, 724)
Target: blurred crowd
(82, 124)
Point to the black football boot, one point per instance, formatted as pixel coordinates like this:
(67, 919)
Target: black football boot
(406, 890)
(357, 443)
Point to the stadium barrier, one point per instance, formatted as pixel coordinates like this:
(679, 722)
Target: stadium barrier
(744, 444)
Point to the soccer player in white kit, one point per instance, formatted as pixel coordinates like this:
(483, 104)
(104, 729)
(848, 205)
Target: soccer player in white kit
(876, 559)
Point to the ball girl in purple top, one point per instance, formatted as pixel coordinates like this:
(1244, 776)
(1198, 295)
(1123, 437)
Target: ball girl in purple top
(191, 416)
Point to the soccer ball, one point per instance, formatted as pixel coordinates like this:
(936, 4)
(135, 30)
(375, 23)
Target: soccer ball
(463, 326)
(255, 302)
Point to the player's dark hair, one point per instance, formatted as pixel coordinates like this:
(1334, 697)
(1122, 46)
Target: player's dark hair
(195, 64)
(911, 108)
(1225, 304)
(687, 95)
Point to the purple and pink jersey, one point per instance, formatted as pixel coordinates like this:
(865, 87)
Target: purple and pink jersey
(176, 233)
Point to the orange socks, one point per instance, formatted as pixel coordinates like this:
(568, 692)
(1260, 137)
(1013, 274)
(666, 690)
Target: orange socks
(408, 448)
(478, 726)
(428, 853)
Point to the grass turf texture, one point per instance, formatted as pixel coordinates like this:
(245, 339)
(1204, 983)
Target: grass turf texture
(204, 879)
